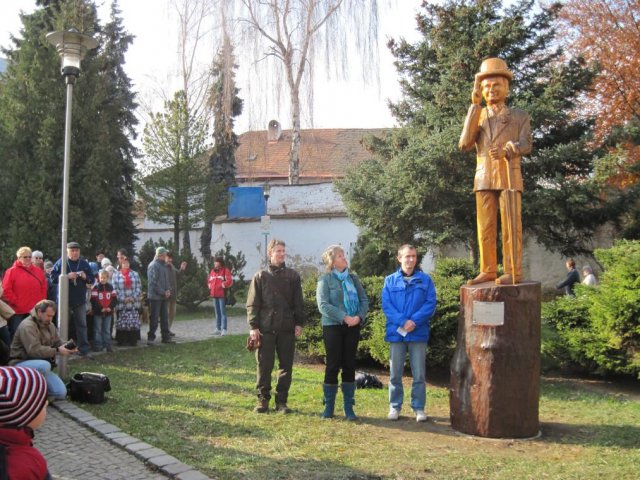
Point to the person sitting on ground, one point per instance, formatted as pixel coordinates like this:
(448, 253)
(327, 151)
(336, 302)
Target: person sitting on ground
(23, 408)
(571, 279)
(36, 344)
(588, 278)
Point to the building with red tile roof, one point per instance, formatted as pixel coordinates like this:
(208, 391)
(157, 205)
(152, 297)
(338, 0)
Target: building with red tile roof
(325, 154)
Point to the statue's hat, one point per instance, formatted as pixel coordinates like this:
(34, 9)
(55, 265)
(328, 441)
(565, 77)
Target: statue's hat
(492, 67)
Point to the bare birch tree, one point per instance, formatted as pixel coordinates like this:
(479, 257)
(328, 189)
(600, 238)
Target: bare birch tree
(301, 34)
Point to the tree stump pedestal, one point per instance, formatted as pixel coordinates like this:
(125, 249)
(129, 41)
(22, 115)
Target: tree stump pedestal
(495, 371)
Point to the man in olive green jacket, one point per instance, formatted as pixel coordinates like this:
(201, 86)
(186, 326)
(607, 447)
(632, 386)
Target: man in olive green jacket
(275, 311)
(36, 344)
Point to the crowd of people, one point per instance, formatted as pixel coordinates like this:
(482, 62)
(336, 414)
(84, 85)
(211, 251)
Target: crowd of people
(101, 297)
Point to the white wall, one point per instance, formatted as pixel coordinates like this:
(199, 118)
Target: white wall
(308, 218)
(306, 239)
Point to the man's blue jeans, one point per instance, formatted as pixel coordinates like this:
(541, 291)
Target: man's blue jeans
(55, 386)
(79, 315)
(417, 358)
(221, 315)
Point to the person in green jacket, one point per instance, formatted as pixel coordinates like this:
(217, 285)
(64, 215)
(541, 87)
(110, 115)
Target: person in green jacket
(275, 312)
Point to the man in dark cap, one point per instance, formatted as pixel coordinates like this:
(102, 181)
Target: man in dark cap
(80, 275)
(159, 293)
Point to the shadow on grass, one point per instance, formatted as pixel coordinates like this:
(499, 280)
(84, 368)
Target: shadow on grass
(407, 423)
(229, 463)
(617, 436)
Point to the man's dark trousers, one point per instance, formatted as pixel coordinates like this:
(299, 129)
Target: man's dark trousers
(282, 344)
(159, 309)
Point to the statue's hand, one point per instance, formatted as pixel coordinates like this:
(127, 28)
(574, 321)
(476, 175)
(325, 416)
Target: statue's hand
(496, 153)
(510, 150)
(476, 95)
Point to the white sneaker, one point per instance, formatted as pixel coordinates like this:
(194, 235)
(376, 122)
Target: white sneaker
(216, 332)
(394, 413)
(420, 416)
(223, 333)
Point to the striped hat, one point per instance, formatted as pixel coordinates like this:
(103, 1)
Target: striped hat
(23, 392)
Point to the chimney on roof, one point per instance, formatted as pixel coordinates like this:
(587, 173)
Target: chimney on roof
(274, 131)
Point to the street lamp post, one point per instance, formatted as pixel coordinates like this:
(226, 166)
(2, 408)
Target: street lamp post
(72, 47)
(266, 220)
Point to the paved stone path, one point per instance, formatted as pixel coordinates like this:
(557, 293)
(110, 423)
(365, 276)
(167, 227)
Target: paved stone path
(78, 445)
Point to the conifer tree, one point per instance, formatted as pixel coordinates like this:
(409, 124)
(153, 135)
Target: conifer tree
(172, 179)
(226, 105)
(32, 116)
(418, 188)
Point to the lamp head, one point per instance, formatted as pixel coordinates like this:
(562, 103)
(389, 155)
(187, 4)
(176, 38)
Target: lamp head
(266, 190)
(72, 46)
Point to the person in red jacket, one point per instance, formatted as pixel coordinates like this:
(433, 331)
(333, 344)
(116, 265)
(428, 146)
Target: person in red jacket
(103, 302)
(219, 279)
(23, 408)
(24, 285)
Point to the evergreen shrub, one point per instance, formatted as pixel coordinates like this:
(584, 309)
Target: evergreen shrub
(448, 276)
(599, 329)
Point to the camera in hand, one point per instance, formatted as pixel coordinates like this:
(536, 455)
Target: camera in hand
(70, 345)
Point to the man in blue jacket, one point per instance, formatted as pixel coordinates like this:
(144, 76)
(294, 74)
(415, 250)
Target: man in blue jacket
(408, 302)
(80, 275)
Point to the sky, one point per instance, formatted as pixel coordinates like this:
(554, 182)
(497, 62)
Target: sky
(152, 60)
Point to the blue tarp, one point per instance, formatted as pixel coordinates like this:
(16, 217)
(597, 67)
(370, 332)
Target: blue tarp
(246, 202)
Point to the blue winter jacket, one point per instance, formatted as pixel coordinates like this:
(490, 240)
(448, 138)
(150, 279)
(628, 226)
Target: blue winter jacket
(403, 301)
(77, 289)
(329, 296)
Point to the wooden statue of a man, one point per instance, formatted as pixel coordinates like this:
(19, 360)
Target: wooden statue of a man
(501, 136)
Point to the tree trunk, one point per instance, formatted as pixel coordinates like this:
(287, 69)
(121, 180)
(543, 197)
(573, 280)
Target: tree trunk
(205, 241)
(186, 235)
(294, 156)
(495, 371)
(176, 233)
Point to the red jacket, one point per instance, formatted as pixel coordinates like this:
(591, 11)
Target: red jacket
(24, 287)
(219, 280)
(24, 462)
(103, 296)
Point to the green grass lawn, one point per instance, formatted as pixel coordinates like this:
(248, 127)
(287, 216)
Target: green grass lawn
(195, 402)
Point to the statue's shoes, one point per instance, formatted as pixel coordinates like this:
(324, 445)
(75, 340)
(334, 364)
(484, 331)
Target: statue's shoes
(507, 280)
(483, 277)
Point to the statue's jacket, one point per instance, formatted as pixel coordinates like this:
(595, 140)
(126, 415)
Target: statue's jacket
(511, 124)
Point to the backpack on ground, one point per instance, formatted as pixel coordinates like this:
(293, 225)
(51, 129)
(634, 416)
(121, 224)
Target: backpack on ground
(88, 387)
